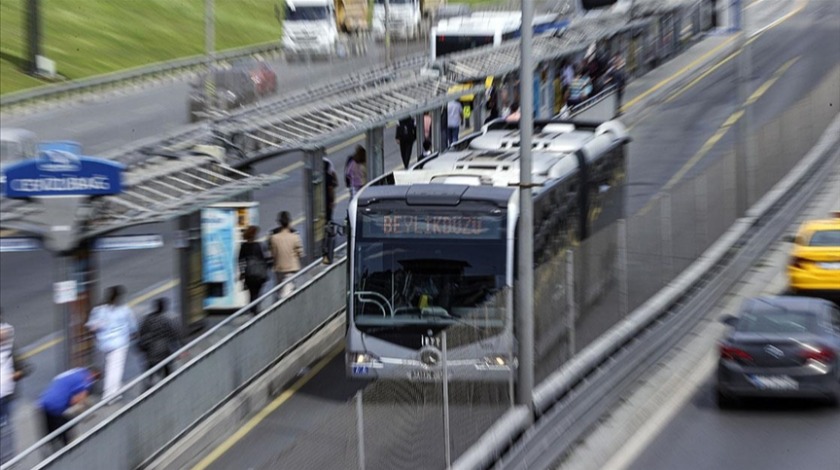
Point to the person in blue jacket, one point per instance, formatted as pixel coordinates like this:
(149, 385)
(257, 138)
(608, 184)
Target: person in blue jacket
(63, 398)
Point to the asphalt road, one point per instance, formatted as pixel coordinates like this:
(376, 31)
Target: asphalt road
(114, 119)
(763, 434)
(666, 142)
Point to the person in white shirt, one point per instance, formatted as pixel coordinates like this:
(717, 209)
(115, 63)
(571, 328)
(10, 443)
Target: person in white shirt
(12, 370)
(114, 325)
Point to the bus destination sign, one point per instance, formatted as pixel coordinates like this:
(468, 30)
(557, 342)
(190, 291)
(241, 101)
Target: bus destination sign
(413, 225)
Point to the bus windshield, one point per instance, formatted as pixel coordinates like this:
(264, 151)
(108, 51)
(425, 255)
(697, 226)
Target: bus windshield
(450, 278)
(307, 13)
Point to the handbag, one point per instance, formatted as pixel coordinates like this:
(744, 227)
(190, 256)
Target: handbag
(255, 270)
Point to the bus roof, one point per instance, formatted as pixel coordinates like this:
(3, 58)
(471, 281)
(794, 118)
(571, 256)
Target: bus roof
(492, 159)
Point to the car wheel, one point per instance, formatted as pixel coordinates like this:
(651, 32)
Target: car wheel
(724, 401)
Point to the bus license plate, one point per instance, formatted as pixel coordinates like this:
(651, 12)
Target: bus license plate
(830, 265)
(424, 375)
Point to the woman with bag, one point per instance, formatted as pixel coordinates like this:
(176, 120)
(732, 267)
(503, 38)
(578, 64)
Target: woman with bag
(253, 267)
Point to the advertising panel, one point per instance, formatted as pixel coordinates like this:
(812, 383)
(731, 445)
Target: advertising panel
(221, 235)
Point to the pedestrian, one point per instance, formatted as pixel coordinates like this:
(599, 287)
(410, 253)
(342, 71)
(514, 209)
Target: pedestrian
(427, 126)
(355, 170)
(427, 148)
(491, 96)
(12, 370)
(159, 338)
(65, 398)
(453, 121)
(580, 89)
(406, 135)
(617, 78)
(114, 325)
(287, 251)
(330, 186)
(515, 113)
(253, 265)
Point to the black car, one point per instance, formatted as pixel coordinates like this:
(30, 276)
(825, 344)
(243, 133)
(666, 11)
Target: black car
(781, 347)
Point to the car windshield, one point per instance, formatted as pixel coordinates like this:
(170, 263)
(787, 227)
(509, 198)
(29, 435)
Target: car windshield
(825, 238)
(778, 322)
(307, 13)
(422, 281)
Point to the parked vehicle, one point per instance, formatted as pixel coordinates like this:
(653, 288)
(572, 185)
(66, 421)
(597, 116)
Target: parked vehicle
(315, 27)
(781, 347)
(240, 84)
(405, 17)
(815, 258)
(16, 145)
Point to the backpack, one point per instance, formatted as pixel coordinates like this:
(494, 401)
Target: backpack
(255, 270)
(347, 179)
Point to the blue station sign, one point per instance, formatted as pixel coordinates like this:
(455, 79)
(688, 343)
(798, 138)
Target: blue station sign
(59, 171)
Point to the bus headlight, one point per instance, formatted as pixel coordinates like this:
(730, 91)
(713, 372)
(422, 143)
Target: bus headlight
(497, 361)
(362, 358)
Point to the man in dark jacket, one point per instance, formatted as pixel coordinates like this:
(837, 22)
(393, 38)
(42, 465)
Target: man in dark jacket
(406, 135)
(159, 337)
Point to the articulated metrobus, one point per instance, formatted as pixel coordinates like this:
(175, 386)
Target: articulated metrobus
(432, 265)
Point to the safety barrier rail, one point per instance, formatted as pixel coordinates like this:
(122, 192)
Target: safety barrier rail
(218, 363)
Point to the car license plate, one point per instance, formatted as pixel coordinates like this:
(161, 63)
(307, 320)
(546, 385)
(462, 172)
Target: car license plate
(829, 265)
(360, 370)
(774, 382)
(424, 375)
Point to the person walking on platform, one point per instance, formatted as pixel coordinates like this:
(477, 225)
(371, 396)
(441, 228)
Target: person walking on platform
(114, 325)
(12, 370)
(63, 399)
(253, 265)
(159, 337)
(453, 121)
(406, 135)
(287, 251)
(355, 170)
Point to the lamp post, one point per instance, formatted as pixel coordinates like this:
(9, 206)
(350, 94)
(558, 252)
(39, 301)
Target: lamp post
(524, 302)
(209, 56)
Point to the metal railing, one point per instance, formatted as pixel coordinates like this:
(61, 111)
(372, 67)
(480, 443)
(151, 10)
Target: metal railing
(124, 77)
(217, 364)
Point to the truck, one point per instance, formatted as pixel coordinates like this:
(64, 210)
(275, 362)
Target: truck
(406, 17)
(318, 27)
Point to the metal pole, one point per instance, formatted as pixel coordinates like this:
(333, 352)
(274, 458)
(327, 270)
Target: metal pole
(447, 451)
(571, 304)
(360, 429)
(209, 56)
(666, 228)
(623, 281)
(33, 30)
(742, 156)
(387, 32)
(524, 307)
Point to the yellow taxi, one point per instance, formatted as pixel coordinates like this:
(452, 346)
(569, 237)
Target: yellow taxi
(815, 260)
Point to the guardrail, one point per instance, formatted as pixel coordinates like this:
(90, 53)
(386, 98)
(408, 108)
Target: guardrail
(124, 77)
(219, 360)
(573, 398)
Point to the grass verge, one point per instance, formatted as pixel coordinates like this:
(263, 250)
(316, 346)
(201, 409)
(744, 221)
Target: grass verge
(92, 37)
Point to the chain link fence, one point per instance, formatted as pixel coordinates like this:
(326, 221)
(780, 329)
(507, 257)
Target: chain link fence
(620, 267)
